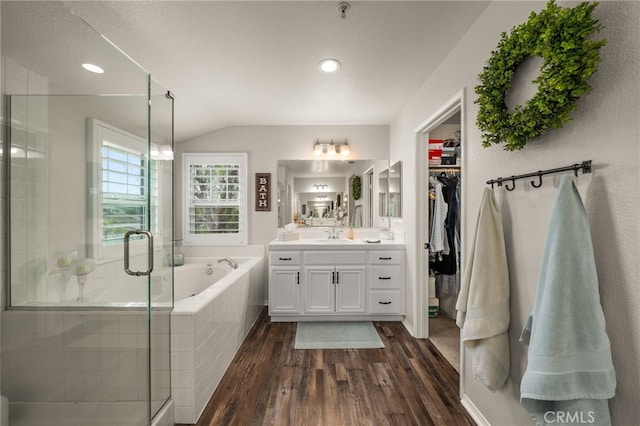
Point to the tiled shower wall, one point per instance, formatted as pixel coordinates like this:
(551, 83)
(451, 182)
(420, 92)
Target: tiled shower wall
(82, 356)
(13, 79)
(28, 180)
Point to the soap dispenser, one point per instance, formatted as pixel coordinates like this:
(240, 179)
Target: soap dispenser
(350, 233)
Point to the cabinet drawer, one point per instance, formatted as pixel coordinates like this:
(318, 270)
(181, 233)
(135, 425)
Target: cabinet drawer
(385, 277)
(284, 258)
(382, 257)
(385, 302)
(335, 257)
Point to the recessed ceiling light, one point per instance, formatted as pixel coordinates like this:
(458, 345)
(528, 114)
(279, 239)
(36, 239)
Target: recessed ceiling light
(329, 66)
(93, 68)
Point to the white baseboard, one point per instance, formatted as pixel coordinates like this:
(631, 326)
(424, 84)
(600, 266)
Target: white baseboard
(409, 327)
(474, 412)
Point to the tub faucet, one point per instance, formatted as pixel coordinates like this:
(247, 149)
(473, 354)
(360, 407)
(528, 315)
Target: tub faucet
(231, 263)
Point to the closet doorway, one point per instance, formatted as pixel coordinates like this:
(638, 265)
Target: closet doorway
(439, 143)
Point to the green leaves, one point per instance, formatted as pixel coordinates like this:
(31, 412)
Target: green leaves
(559, 36)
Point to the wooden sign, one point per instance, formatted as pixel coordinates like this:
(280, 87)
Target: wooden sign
(263, 192)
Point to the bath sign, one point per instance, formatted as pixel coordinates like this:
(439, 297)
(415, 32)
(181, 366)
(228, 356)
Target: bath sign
(263, 192)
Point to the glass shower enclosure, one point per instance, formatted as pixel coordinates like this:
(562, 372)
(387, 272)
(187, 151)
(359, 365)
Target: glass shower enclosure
(88, 290)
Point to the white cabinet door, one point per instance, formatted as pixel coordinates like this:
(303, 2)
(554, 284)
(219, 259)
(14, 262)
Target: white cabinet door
(319, 289)
(284, 290)
(350, 289)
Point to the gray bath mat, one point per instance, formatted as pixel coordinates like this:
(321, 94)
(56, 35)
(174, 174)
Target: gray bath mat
(337, 335)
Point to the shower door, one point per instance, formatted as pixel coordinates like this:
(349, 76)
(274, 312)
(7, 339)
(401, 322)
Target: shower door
(89, 166)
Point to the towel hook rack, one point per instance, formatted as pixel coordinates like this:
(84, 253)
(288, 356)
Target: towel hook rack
(585, 166)
(539, 184)
(513, 184)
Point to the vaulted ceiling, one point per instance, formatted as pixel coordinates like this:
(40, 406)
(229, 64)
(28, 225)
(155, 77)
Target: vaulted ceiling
(256, 62)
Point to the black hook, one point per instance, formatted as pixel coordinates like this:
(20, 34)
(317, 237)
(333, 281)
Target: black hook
(576, 167)
(513, 186)
(539, 184)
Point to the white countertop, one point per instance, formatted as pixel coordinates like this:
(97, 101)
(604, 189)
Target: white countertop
(339, 244)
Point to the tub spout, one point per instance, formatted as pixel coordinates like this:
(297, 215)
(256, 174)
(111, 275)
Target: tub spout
(231, 263)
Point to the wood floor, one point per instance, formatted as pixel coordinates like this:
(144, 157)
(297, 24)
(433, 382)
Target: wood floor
(270, 383)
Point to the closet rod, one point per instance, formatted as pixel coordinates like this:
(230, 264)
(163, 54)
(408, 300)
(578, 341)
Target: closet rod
(585, 166)
(437, 171)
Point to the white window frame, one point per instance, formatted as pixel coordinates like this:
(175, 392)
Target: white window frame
(125, 141)
(239, 238)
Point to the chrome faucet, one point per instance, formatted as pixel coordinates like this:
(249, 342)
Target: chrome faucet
(334, 233)
(231, 263)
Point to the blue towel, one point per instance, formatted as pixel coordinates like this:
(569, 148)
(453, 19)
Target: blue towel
(570, 373)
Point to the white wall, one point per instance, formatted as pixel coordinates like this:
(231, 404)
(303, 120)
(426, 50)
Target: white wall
(606, 129)
(268, 144)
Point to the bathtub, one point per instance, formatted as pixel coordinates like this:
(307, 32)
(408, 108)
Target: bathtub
(195, 278)
(212, 315)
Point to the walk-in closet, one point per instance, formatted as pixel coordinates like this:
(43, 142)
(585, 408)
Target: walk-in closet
(444, 144)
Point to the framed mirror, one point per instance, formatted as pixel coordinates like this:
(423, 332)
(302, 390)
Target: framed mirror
(329, 192)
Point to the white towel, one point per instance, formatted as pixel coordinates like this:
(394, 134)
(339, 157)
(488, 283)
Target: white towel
(483, 302)
(570, 372)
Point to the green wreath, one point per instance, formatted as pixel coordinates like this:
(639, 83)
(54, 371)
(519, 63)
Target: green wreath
(356, 188)
(559, 36)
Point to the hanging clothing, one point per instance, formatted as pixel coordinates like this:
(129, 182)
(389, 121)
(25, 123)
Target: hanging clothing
(446, 261)
(569, 369)
(483, 303)
(438, 217)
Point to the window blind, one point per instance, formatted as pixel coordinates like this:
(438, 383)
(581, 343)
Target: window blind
(124, 193)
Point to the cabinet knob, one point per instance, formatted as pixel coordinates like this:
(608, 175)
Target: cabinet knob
(384, 258)
(284, 258)
(384, 303)
(384, 278)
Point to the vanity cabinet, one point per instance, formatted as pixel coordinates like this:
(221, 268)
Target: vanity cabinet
(317, 284)
(334, 281)
(385, 281)
(284, 283)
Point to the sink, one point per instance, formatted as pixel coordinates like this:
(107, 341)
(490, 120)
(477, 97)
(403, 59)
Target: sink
(339, 241)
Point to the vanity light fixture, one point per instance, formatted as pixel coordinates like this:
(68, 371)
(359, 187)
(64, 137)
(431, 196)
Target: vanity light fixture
(93, 68)
(344, 150)
(331, 148)
(330, 66)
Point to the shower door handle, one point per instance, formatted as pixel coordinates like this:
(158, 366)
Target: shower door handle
(149, 252)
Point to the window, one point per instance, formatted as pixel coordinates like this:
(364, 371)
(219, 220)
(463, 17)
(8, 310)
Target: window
(125, 191)
(215, 198)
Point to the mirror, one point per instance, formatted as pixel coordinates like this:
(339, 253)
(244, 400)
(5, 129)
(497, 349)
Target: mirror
(395, 190)
(329, 192)
(390, 191)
